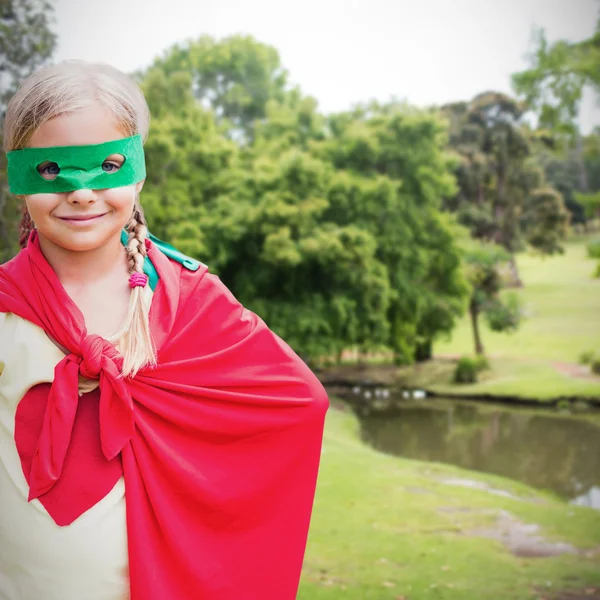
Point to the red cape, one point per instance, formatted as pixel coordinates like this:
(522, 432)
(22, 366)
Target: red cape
(219, 445)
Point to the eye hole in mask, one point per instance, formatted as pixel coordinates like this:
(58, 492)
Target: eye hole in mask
(113, 163)
(49, 170)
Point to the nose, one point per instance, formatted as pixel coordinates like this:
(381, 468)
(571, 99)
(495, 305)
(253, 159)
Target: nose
(81, 196)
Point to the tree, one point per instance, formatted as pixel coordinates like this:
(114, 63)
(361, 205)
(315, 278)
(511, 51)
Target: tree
(553, 88)
(235, 77)
(329, 229)
(191, 170)
(483, 263)
(498, 179)
(590, 157)
(26, 43)
(553, 85)
(562, 172)
(392, 171)
(590, 204)
(253, 212)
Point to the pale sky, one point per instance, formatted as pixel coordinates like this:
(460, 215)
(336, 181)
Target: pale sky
(342, 51)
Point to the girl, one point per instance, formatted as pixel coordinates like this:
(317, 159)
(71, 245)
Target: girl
(157, 440)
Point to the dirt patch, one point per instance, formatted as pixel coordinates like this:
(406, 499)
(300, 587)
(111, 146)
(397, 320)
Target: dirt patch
(480, 485)
(576, 371)
(522, 539)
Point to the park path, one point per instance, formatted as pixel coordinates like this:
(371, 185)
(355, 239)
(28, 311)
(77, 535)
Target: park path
(576, 371)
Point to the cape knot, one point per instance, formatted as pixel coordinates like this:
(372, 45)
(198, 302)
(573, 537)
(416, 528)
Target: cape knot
(93, 349)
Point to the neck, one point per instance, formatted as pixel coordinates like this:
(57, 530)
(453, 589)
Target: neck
(76, 269)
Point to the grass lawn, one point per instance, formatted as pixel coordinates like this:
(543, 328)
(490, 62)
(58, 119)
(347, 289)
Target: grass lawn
(561, 302)
(562, 311)
(523, 378)
(386, 528)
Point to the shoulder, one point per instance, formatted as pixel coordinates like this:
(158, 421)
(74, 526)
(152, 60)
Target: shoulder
(191, 295)
(190, 286)
(203, 292)
(191, 264)
(21, 338)
(11, 268)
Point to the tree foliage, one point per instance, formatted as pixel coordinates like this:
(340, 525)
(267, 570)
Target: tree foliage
(26, 42)
(484, 262)
(553, 85)
(327, 226)
(333, 227)
(235, 77)
(502, 195)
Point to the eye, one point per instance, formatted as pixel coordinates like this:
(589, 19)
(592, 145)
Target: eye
(113, 163)
(48, 170)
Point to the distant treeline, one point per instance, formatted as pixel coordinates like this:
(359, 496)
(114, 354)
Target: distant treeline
(375, 227)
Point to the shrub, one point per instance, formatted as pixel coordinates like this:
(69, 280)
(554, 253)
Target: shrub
(593, 249)
(481, 363)
(504, 315)
(467, 369)
(596, 366)
(586, 358)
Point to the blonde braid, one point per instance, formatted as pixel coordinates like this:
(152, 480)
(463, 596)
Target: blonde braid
(26, 227)
(135, 342)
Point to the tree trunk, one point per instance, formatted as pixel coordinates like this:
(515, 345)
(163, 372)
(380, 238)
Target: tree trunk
(424, 351)
(583, 178)
(515, 278)
(474, 312)
(500, 208)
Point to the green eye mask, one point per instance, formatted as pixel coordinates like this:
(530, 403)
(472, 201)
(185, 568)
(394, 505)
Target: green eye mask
(76, 167)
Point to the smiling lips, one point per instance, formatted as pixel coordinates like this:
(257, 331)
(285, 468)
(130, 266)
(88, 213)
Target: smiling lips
(81, 218)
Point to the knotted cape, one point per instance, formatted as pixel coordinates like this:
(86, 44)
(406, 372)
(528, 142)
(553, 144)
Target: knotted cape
(219, 445)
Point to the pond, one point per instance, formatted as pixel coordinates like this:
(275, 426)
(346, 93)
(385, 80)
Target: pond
(546, 451)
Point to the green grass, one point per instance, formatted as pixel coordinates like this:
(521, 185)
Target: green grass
(562, 311)
(529, 378)
(386, 528)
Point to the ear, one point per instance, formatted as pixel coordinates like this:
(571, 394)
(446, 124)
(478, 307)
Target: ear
(139, 185)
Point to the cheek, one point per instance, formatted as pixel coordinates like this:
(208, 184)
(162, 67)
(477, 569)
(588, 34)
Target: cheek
(41, 205)
(121, 200)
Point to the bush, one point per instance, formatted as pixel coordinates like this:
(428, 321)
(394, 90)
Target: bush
(596, 366)
(482, 363)
(505, 314)
(468, 368)
(593, 249)
(586, 358)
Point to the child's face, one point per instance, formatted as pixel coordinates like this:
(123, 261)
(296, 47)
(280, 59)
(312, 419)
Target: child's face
(81, 220)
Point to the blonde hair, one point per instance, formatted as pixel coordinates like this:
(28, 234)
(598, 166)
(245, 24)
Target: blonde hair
(67, 87)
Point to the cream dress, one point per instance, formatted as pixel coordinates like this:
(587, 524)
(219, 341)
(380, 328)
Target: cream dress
(39, 560)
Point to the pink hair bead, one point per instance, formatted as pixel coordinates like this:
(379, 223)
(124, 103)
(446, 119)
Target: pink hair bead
(138, 280)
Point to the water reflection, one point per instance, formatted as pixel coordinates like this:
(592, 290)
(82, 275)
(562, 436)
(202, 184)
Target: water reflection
(559, 454)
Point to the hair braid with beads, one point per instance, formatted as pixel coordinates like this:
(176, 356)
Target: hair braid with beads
(136, 342)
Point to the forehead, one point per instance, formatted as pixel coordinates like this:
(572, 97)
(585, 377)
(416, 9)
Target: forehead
(90, 125)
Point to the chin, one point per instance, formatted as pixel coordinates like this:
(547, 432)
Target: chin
(83, 241)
